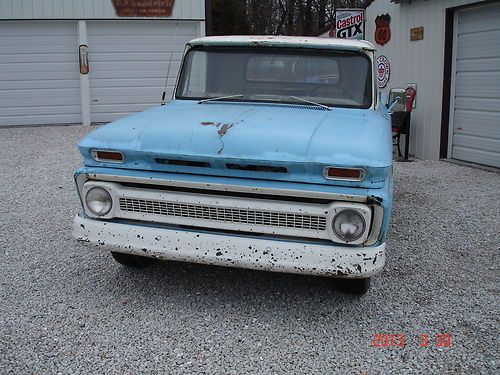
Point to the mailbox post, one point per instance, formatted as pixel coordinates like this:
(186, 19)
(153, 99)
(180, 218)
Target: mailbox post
(410, 93)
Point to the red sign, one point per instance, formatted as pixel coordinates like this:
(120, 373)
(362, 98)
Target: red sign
(383, 31)
(143, 8)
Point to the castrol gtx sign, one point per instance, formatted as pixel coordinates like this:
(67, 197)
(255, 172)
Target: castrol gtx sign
(350, 23)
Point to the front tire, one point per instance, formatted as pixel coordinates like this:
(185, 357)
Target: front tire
(357, 287)
(130, 260)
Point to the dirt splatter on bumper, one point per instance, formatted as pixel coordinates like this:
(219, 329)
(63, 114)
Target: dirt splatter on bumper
(231, 250)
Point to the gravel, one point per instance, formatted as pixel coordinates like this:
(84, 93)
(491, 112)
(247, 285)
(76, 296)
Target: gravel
(67, 309)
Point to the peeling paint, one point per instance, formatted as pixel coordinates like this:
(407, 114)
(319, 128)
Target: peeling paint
(222, 128)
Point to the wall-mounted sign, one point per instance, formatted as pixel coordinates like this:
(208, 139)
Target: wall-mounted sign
(417, 33)
(143, 8)
(382, 31)
(350, 23)
(383, 71)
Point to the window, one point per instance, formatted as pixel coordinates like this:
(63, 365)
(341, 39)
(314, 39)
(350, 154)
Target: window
(288, 68)
(333, 78)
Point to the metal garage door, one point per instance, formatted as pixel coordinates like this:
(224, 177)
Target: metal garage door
(39, 78)
(476, 101)
(129, 62)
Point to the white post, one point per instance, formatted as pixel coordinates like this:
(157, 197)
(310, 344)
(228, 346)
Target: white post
(84, 78)
(201, 28)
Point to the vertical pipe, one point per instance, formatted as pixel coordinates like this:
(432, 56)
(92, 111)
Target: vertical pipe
(407, 135)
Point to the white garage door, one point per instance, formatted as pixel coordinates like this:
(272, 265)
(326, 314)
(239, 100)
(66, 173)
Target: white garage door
(476, 100)
(129, 62)
(39, 78)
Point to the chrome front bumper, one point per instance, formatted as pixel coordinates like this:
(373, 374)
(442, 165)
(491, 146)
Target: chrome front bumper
(231, 250)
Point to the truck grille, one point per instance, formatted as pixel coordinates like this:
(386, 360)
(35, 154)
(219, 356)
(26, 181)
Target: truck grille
(224, 214)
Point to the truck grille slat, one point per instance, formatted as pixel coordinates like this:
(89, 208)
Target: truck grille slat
(224, 214)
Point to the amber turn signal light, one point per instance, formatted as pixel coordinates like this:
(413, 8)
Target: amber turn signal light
(349, 174)
(107, 156)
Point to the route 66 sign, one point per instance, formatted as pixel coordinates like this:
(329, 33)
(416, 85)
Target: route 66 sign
(383, 31)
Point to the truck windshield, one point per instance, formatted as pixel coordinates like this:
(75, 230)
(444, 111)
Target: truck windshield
(331, 78)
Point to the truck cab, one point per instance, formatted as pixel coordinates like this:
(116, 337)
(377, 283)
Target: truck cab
(274, 154)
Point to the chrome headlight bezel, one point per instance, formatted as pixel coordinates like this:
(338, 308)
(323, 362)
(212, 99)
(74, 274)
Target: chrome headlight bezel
(365, 213)
(351, 217)
(91, 203)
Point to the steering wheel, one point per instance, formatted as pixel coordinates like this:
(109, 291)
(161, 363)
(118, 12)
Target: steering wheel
(312, 92)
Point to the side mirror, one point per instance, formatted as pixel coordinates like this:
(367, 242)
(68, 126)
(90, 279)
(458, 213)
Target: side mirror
(396, 101)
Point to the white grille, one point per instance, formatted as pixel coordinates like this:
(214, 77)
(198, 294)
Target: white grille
(224, 214)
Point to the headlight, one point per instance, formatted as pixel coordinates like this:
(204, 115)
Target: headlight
(98, 201)
(348, 225)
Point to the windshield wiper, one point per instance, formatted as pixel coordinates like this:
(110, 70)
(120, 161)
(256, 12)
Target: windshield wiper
(310, 102)
(219, 98)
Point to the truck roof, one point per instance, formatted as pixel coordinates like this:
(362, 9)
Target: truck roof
(283, 41)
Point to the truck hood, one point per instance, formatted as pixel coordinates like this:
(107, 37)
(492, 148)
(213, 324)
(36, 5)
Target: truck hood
(288, 142)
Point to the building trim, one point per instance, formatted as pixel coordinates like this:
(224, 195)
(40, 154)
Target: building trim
(451, 104)
(447, 69)
(208, 18)
(104, 19)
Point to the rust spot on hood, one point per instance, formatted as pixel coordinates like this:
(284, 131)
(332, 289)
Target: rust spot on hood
(222, 128)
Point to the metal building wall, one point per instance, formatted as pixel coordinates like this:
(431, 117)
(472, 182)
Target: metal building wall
(152, 37)
(86, 9)
(419, 62)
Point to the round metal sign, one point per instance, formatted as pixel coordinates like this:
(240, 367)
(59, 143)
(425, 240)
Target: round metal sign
(383, 71)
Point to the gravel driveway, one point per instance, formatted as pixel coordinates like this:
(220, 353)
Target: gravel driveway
(67, 309)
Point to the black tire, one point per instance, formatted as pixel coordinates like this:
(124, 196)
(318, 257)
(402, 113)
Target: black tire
(130, 260)
(354, 286)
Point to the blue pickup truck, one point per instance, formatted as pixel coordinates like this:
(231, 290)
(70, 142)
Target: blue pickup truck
(274, 155)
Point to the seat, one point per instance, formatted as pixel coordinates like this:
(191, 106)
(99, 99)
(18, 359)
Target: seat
(398, 124)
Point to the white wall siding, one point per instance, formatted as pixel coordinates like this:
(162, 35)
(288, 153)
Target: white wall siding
(87, 9)
(419, 62)
(39, 77)
(129, 61)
